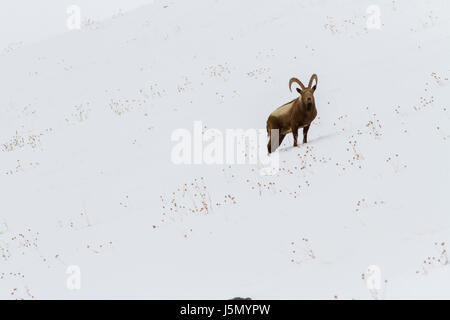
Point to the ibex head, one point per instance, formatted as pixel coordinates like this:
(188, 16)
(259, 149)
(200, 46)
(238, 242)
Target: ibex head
(306, 93)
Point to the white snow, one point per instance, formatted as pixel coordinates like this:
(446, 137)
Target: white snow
(86, 176)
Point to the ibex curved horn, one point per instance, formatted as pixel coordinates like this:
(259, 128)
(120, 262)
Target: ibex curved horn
(314, 76)
(296, 81)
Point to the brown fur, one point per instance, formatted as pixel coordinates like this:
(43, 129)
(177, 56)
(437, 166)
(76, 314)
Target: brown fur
(299, 113)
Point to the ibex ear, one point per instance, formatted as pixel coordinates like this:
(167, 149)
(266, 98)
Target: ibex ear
(299, 91)
(315, 87)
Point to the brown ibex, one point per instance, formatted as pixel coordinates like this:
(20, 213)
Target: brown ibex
(299, 113)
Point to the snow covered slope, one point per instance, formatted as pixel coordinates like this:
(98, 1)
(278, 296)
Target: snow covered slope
(26, 21)
(362, 211)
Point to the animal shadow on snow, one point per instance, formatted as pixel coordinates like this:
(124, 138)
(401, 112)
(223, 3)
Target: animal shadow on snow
(289, 141)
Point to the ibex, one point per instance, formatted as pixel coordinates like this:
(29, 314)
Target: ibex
(299, 113)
